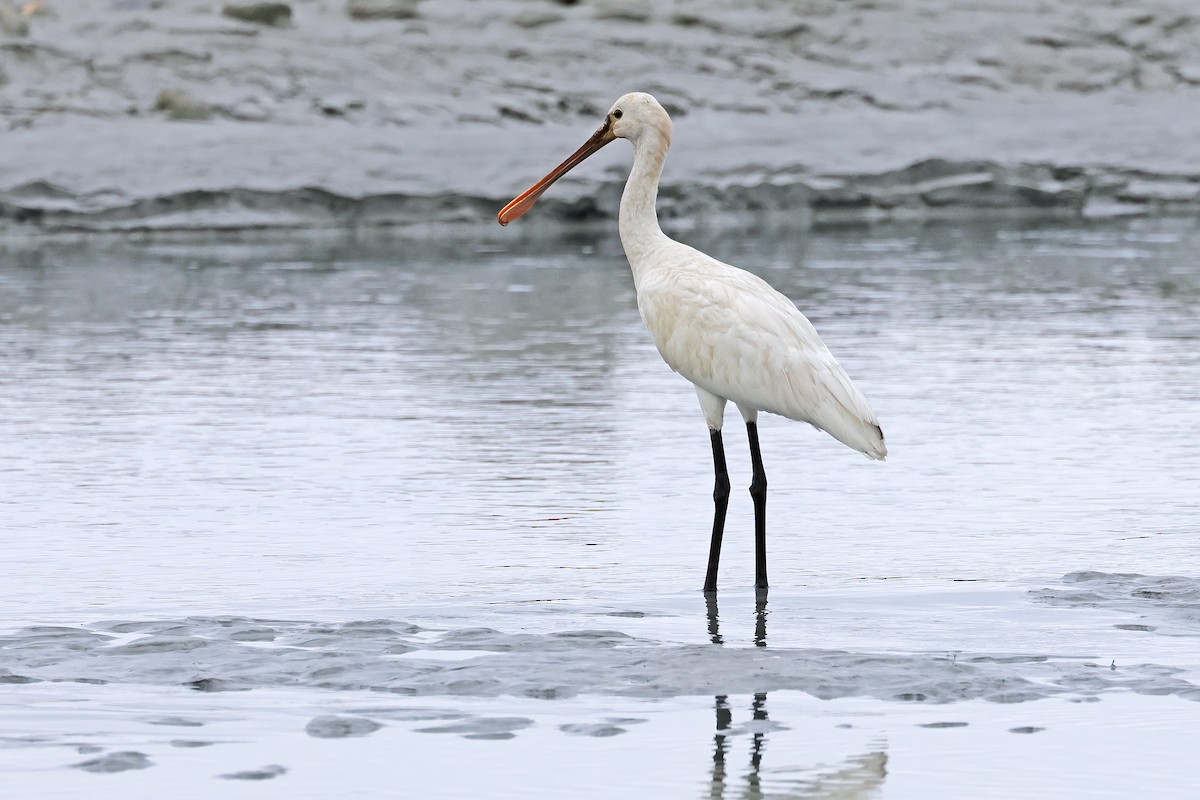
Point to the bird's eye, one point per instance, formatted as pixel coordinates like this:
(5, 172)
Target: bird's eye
(617, 114)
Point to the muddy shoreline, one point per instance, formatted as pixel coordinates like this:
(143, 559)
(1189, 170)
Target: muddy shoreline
(169, 114)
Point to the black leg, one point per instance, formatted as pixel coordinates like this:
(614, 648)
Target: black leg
(758, 492)
(721, 505)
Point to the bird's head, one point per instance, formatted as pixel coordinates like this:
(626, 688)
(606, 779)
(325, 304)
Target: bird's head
(635, 116)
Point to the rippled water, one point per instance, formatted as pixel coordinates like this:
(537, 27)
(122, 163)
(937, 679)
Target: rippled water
(428, 484)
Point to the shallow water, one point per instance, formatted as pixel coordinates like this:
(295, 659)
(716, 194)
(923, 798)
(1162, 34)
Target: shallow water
(430, 485)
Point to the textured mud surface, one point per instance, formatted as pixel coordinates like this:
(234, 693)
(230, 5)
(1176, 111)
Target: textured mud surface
(388, 656)
(302, 707)
(127, 114)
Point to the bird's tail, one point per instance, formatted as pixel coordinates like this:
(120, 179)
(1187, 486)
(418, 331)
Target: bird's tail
(837, 407)
(865, 437)
(876, 449)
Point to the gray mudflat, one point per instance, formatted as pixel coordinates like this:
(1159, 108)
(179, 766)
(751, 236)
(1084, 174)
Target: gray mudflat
(822, 109)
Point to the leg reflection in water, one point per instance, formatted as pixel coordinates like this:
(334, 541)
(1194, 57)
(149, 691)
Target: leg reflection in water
(856, 778)
(714, 625)
(724, 719)
(758, 707)
(760, 618)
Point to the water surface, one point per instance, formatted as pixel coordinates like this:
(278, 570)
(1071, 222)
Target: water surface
(454, 474)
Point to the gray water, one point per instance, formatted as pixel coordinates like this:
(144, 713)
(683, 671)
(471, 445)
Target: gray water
(262, 492)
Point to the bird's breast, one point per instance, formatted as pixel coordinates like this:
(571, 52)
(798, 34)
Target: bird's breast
(701, 334)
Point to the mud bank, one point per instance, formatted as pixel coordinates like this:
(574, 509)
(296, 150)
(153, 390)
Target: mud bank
(161, 114)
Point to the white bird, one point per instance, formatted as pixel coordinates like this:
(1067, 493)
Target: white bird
(724, 329)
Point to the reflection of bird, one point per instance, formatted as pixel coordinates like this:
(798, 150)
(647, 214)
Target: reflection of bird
(855, 778)
(722, 328)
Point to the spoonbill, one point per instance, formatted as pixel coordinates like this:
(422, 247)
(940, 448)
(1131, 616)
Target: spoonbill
(724, 329)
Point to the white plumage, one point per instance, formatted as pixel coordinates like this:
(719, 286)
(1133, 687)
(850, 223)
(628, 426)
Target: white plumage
(724, 329)
(732, 335)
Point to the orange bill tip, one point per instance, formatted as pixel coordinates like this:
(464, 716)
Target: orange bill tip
(525, 200)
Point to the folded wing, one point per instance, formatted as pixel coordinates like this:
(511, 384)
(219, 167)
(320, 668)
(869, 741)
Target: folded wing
(729, 332)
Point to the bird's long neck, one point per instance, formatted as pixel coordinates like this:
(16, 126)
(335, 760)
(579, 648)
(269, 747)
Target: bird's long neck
(639, 229)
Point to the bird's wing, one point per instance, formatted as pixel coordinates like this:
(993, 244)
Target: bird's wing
(732, 334)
